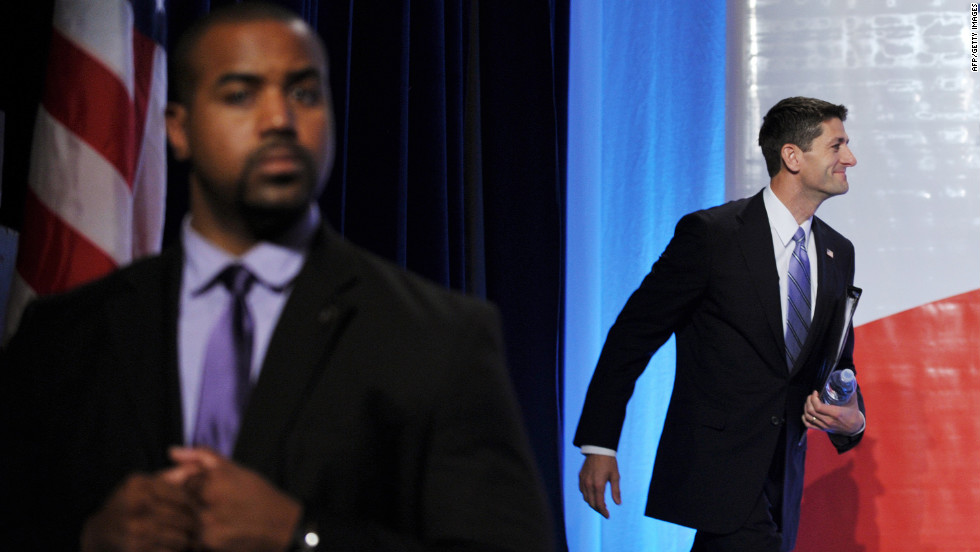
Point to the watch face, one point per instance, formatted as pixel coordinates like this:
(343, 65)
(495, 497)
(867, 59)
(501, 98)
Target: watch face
(311, 539)
(306, 538)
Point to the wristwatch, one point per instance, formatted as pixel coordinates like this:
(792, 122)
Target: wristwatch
(305, 537)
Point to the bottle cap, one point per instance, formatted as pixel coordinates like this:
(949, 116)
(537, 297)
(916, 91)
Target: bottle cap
(847, 375)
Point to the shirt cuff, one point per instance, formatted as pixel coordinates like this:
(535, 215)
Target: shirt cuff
(864, 423)
(602, 451)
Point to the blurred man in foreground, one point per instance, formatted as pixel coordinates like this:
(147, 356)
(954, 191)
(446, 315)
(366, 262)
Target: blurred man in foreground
(264, 385)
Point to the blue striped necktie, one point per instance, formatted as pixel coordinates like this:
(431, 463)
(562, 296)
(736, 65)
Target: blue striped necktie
(798, 306)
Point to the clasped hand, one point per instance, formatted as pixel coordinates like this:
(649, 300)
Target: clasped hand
(204, 502)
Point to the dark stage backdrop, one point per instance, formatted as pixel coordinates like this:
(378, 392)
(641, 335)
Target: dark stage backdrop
(450, 123)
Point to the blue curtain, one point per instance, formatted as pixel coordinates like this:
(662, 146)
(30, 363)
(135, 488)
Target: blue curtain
(646, 144)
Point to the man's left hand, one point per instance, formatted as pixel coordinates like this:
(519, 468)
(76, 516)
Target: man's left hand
(239, 510)
(846, 419)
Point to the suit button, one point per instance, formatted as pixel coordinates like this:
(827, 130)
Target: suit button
(326, 314)
(776, 420)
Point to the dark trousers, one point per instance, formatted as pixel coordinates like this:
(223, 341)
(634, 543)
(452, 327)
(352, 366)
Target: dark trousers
(759, 533)
(762, 531)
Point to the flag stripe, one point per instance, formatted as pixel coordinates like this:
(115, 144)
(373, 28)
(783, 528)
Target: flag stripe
(55, 246)
(150, 19)
(80, 185)
(97, 180)
(150, 189)
(100, 112)
(143, 53)
(102, 28)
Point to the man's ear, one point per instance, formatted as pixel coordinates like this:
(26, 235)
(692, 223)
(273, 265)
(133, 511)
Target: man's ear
(176, 117)
(792, 157)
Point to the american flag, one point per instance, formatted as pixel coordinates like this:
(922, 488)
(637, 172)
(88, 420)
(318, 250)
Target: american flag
(97, 180)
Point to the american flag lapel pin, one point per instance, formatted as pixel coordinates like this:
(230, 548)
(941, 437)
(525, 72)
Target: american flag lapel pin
(830, 253)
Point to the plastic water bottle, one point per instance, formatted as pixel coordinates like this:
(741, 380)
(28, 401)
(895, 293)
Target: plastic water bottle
(840, 386)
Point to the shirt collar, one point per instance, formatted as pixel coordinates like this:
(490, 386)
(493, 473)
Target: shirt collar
(781, 220)
(274, 264)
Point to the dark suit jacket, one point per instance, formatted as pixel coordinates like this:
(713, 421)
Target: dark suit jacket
(735, 405)
(383, 405)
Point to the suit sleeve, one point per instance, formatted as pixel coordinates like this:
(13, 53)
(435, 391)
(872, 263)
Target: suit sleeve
(37, 516)
(844, 443)
(662, 304)
(20, 449)
(483, 481)
(480, 490)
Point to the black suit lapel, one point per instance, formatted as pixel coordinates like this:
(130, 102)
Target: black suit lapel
(309, 325)
(755, 241)
(143, 328)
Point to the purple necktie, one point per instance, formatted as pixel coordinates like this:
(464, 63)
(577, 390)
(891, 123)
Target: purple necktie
(227, 365)
(798, 305)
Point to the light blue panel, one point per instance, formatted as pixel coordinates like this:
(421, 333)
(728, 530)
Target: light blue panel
(646, 145)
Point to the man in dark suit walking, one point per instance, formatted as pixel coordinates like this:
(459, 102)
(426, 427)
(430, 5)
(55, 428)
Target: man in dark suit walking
(750, 290)
(264, 385)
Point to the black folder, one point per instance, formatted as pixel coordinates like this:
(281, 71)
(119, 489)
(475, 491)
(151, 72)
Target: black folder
(841, 326)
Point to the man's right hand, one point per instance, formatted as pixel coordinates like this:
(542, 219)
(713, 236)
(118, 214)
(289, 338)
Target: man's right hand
(148, 512)
(596, 471)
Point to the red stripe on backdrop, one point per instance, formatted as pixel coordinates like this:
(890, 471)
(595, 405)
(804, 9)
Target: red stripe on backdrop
(91, 101)
(913, 484)
(61, 257)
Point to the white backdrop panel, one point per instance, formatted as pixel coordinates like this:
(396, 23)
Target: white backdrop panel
(903, 69)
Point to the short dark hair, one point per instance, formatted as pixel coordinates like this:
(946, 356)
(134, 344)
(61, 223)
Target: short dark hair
(182, 74)
(794, 121)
